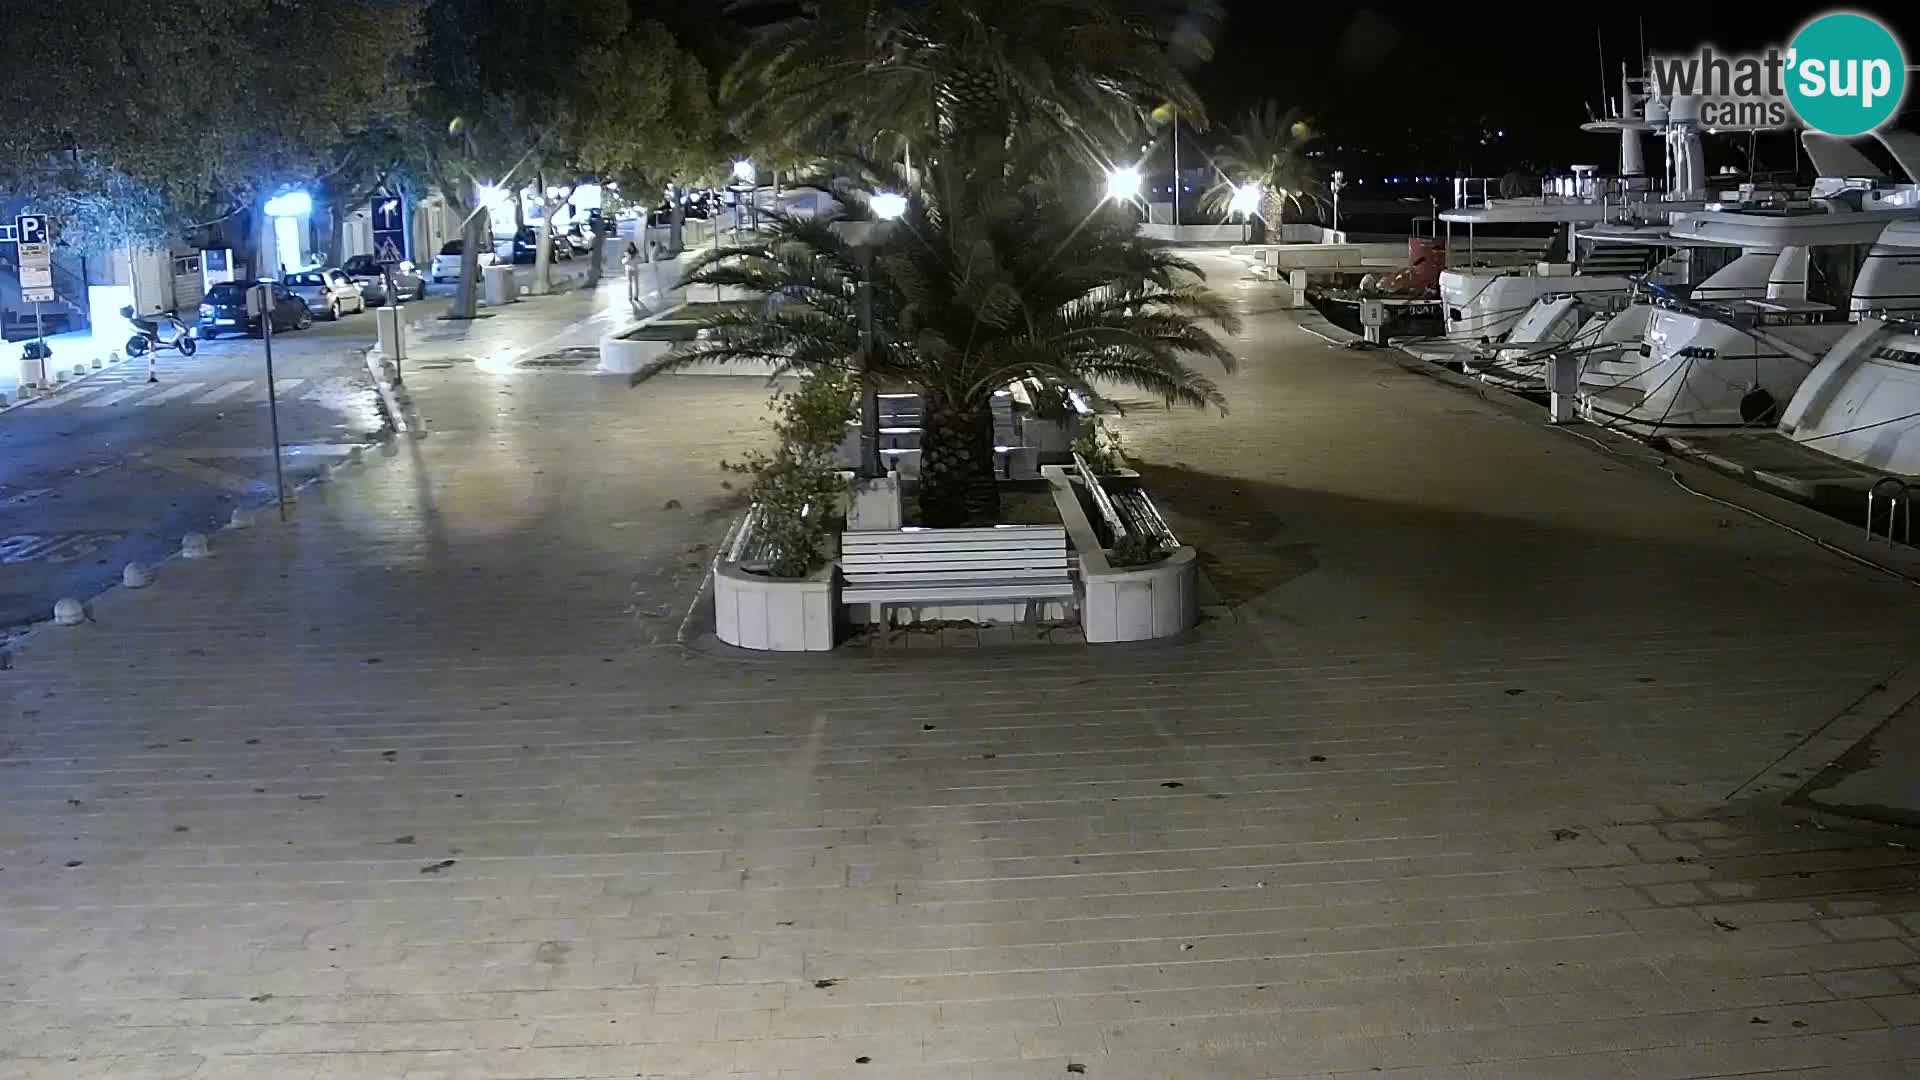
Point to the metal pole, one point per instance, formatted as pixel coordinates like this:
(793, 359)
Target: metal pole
(1176, 168)
(40, 334)
(393, 301)
(869, 394)
(273, 410)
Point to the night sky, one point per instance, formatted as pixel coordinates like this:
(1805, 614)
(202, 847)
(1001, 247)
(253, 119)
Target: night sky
(1371, 72)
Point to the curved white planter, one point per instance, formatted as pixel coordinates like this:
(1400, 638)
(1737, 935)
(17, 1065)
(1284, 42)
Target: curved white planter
(1126, 603)
(1137, 603)
(774, 614)
(624, 356)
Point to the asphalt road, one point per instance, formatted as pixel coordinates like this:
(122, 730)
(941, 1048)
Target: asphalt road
(117, 469)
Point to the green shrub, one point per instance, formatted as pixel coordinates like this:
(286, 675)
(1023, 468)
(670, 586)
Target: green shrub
(1135, 549)
(798, 487)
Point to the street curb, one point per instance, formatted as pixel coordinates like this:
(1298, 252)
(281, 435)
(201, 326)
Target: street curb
(58, 388)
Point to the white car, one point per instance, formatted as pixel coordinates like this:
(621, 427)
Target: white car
(446, 265)
(330, 291)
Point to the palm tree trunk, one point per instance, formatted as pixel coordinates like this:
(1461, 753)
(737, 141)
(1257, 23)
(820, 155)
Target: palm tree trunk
(956, 463)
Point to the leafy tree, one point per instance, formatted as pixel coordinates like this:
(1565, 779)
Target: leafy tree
(987, 278)
(119, 99)
(1269, 148)
(1073, 73)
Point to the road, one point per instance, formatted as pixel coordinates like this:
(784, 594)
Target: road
(117, 469)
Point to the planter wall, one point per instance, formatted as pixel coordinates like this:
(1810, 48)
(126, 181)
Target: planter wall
(774, 614)
(1132, 603)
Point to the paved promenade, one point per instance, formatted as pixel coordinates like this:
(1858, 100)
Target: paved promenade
(1481, 780)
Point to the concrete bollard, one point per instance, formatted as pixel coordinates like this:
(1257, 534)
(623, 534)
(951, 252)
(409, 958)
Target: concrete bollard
(98, 363)
(355, 454)
(243, 518)
(79, 370)
(113, 357)
(136, 576)
(68, 612)
(193, 546)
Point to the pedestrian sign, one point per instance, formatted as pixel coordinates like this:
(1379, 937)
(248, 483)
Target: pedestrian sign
(389, 220)
(388, 252)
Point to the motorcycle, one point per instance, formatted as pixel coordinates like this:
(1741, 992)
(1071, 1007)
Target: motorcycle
(147, 336)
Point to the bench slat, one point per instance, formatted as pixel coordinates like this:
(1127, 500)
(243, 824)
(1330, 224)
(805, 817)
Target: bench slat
(975, 570)
(944, 594)
(905, 552)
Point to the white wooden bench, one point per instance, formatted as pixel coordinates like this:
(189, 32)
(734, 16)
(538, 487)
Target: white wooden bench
(954, 566)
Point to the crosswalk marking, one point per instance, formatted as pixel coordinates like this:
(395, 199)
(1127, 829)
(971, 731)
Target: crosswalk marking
(225, 390)
(171, 392)
(281, 387)
(68, 396)
(117, 396)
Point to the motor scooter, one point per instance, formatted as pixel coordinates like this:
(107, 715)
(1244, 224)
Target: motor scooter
(147, 337)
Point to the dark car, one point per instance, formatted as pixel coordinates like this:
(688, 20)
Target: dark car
(372, 279)
(224, 310)
(525, 251)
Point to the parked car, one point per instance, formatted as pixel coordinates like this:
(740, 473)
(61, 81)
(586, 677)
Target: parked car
(373, 283)
(446, 265)
(579, 238)
(331, 291)
(520, 251)
(224, 310)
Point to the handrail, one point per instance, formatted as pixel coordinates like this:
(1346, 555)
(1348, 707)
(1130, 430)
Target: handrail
(1899, 498)
(1101, 501)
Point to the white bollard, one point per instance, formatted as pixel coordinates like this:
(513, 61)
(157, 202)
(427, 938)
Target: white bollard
(356, 453)
(68, 612)
(499, 284)
(114, 357)
(98, 363)
(79, 370)
(1563, 388)
(136, 576)
(243, 518)
(193, 546)
(386, 322)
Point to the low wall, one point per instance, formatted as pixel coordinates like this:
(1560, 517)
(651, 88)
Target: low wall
(1131, 603)
(1195, 234)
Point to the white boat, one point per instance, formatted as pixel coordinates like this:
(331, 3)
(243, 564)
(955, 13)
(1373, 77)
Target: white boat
(1862, 402)
(1723, 357)
(1603, 233)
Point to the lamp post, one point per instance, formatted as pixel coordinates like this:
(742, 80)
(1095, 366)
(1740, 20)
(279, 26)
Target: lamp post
(1339, 181)
(888, 207)
(744, 177)
(1245, 201)
(1123, 183)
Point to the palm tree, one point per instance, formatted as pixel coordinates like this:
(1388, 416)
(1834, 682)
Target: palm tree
(1079, 71)
(988, 278)
(1269, 149)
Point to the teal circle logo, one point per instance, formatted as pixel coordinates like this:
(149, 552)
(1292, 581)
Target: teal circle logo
(1846, 74)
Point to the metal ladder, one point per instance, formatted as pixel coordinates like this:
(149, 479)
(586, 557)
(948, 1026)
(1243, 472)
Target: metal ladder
(1898, 500)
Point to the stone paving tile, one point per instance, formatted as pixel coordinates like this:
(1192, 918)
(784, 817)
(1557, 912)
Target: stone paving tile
(421, 786)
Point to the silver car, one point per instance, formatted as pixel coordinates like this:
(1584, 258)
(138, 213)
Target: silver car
(367, 274)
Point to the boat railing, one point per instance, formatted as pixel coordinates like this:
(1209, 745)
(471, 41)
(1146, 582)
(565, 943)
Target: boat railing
(1898, 495)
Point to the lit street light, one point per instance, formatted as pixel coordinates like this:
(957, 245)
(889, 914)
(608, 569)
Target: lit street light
(888, 206)
(1245, 200)
(1123, 184)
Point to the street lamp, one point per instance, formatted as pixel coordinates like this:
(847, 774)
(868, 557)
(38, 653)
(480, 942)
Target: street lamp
(1123, 184)
(888, 206)
(1339, 181)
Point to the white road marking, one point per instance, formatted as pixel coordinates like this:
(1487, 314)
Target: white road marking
(226, 390)
(282, 387)
(67, 397)
(171, 392)
(118, 396)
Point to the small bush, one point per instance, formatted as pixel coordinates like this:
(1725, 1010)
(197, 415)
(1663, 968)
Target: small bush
(1099, 445)
(1135, 549)
(798, 486)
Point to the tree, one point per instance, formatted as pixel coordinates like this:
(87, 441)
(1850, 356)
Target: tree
(987, 278)
(1269, 149)
(1074, 73)
(112, 99)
